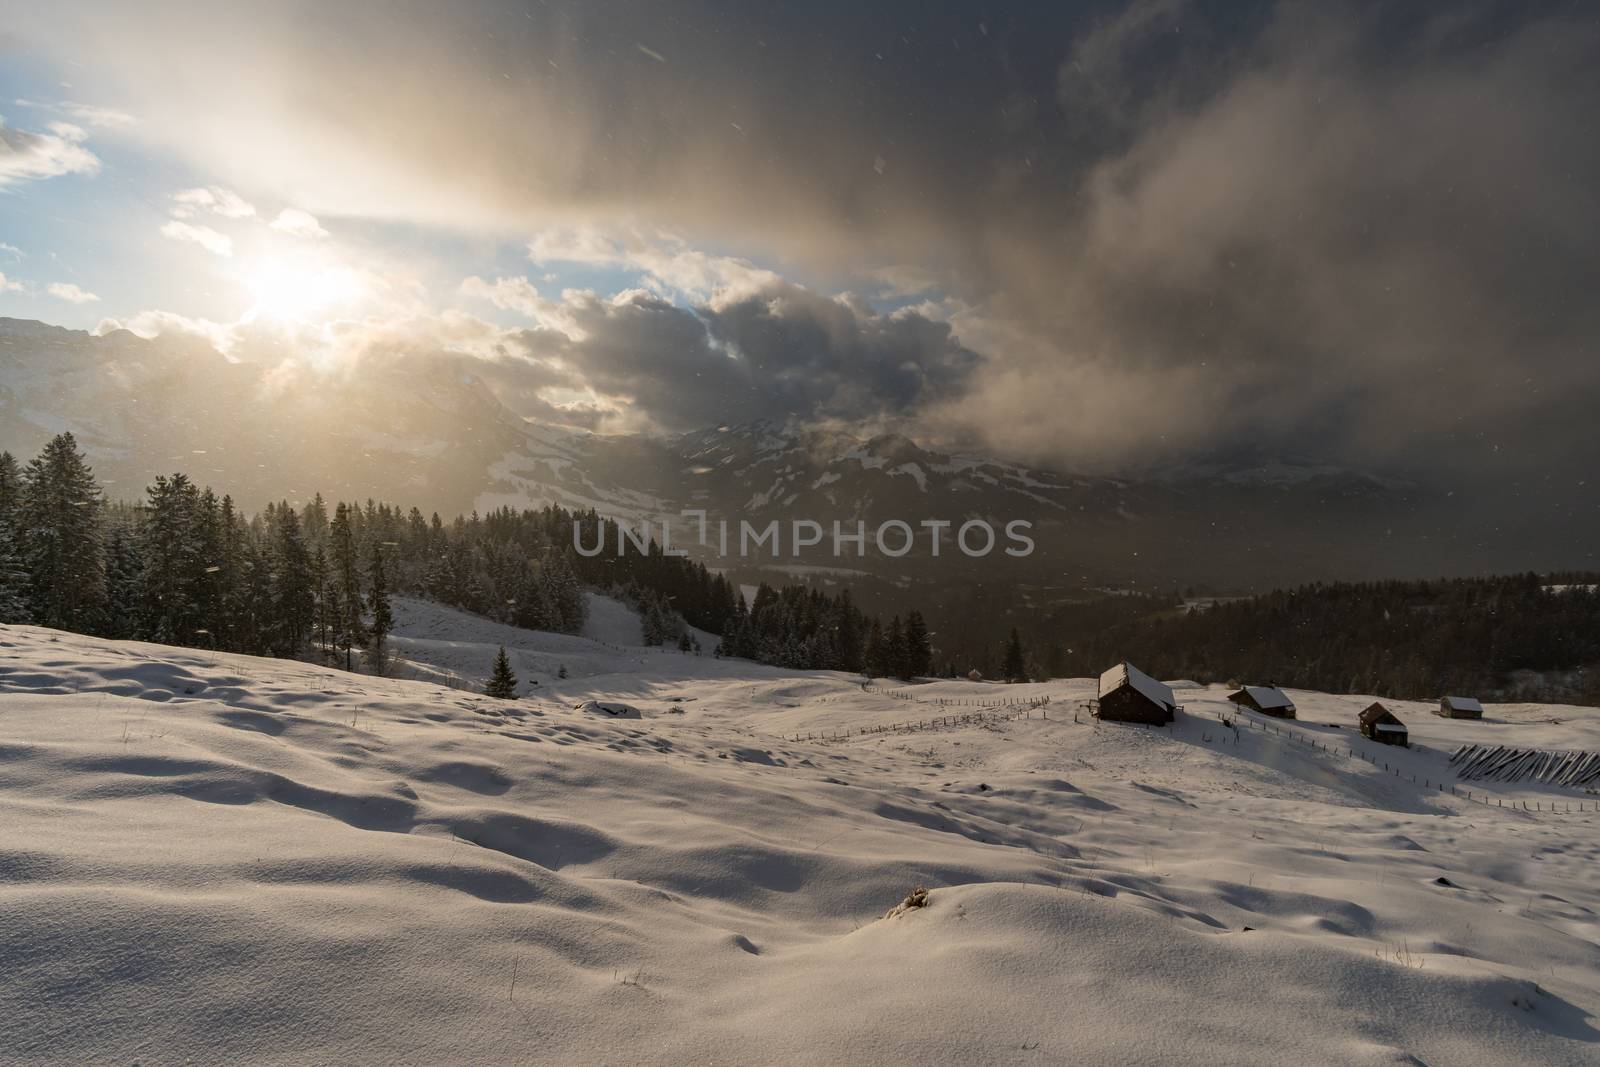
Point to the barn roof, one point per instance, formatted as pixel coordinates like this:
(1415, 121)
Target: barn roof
(1142, 683)
(1464, 703)
(1376, 713)
(1268, 696)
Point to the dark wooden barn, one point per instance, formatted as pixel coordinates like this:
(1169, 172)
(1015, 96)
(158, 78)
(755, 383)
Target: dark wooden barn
(1127, 694)
(1379, 723)
(1459, 708)
(1267, 699)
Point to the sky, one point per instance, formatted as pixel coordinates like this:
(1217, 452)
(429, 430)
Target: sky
(1098, 236)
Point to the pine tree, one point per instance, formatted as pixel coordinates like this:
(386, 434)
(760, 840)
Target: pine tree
(502, 683)
(1015, 668)
(230, 607)
(58, 519)
(170, 547)
(572, 606)
(919, 653)
(293, 599)
(124, 583)
(10, 486)
(13, 575)
(895, 651)
(348, 628)
(534, 609)
(877, 663)
(382, 612)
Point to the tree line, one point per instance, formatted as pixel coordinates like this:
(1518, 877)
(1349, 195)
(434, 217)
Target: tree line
(1519, 637)
(184, 567)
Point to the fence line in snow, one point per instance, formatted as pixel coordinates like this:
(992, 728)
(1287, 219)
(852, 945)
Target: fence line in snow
(1022, 710)
(1547, 807)
(1560, 807)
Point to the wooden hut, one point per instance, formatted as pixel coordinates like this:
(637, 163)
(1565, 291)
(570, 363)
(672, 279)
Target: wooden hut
(1379, 724)
(1460, 708)
(1267, 699)
(1127, 694)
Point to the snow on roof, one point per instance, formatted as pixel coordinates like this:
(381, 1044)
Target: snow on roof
(1268, 696)
(1142, 683)
(1465, 703)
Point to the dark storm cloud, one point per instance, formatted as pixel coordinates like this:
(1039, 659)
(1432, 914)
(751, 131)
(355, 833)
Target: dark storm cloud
(1165, 227)
(777, 351)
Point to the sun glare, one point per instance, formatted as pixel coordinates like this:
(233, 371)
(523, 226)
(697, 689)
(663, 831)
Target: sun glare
(283, 289)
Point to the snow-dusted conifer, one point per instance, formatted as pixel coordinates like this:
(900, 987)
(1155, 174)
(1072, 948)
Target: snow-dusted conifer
(58, 520)
(502, 683)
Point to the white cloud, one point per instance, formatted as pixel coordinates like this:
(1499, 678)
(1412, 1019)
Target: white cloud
(11, 250)
(93, 114)
(71, 293)
(520, 295)
(9, 286)
(149, 324)
(297, 223)
(99, 116)
(215, 199)
(204, 236)
(512, 294)
(28, 155)
(666, 260)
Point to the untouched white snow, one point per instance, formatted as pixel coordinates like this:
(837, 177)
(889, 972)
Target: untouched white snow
(218, 859)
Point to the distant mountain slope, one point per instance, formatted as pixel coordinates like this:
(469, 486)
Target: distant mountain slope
(428, 432)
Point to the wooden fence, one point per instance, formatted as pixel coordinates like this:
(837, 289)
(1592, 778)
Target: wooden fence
(1016, 710)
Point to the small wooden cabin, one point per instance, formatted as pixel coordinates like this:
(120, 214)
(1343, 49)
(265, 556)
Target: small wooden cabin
(1460, 708)
(1127, 694)
(1267, 699)
(1379, 724)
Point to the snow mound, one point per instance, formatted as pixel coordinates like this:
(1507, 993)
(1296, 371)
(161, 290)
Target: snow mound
(219, 859)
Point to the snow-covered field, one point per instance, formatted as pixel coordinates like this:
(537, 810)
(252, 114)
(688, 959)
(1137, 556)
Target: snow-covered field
(218, 859)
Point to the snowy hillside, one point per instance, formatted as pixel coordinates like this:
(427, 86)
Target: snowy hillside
(209, 858)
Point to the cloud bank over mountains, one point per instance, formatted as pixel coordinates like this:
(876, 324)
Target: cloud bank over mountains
(1097, 237)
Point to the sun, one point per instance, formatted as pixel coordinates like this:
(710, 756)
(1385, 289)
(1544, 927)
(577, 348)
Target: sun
(299, 289)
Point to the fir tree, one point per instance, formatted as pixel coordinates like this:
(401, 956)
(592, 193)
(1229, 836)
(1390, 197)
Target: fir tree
(13, 576)
(293, 599)
(231, 607)
(58, 519)
(124, 583)
(169, 545)
(348, 629)
(896, 655)
(502, 683)
(382, 612)
(571, 605)
(10, 487)
(877, 663)
(919, 653)
(1015, 668)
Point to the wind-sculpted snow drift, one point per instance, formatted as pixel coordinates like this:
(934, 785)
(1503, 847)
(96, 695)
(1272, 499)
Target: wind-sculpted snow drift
(209, 858)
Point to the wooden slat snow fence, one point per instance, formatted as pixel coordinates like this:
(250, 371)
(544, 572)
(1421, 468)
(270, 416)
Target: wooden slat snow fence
(1496, 763)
